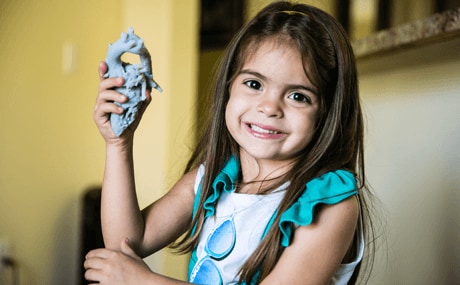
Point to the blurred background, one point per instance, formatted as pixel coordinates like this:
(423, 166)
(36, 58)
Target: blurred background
(51, 153)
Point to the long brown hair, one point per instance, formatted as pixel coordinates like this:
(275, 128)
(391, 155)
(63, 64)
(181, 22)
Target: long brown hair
(338, 141)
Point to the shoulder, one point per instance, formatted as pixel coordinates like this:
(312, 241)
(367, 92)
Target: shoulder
(333, 197)
(186, 184)
(339, 216)
(331, 188)
(317, 249)
(189, 179)
(332, 229)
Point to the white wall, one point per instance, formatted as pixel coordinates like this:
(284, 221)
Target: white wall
(412, 106)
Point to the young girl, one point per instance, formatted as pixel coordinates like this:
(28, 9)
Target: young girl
(275, 191)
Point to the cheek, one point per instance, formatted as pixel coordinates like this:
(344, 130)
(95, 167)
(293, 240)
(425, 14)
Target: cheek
(230, 114)
(232, 119)
(308, 125)
(228, 106)
(227, 115)
(233, 108)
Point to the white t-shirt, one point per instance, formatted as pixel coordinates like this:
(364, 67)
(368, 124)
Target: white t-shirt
(245, 218)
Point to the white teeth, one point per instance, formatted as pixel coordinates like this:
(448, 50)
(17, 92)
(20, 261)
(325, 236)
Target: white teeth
(260, 130)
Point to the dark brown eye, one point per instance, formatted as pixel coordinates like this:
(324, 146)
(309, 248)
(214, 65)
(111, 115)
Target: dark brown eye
(253, 84)
(299, 97)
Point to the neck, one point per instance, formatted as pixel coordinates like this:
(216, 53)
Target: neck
(261, 175)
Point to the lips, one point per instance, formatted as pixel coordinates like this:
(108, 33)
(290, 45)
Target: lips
(258, 129)
(262, 131)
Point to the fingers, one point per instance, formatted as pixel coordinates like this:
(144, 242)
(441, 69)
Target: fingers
(94, 276)
(97, 263)
(110, 83)
(148, 96)
(105, 106)
(110, 96)
(102, 69)
(94, 264)
(98, 253)
(145, 104)
(107, 92)
(104, 266)
(104, 102)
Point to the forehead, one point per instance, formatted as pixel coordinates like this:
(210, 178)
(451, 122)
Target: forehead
(286, 47)
(257, 46)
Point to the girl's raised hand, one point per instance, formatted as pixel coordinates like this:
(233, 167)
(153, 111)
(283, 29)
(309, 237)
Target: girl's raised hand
(108, 267)
(105, 106)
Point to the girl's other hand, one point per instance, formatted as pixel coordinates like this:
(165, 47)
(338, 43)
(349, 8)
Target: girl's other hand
(108, 267)
(105, 106)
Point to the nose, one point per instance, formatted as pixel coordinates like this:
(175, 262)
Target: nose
(271, 106)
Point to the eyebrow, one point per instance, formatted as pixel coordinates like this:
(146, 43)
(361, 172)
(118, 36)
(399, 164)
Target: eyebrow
(290, 86)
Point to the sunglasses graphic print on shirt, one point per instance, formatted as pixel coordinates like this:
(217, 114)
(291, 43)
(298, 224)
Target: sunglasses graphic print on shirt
(219, 245)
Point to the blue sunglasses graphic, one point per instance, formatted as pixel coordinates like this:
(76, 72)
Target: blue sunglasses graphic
(219, 245)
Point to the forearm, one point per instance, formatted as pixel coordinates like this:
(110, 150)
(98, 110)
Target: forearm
(122, 267)
(120, 214)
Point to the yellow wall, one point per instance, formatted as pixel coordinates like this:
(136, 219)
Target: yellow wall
(50, 149)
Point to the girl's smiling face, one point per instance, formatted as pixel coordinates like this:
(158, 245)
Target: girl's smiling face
(273, 106)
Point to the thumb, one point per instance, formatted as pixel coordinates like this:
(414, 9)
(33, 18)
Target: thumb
(127, 249)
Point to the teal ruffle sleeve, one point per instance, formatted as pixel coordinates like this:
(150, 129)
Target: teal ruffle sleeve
(223, 182)
(330, 188)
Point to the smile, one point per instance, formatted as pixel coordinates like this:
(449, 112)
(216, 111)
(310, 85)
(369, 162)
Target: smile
(261, 130)
(264, 132)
